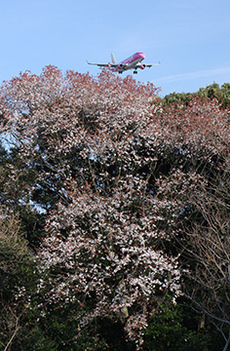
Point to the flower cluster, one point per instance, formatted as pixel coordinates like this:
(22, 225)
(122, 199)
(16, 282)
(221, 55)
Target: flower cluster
(103, 252)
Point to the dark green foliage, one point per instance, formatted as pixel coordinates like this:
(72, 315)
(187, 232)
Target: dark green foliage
(212, 91)
(177, 98)
(18, 278)
(177, 327)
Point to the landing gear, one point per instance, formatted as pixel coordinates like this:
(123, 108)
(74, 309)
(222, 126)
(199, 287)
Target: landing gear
(134, 72)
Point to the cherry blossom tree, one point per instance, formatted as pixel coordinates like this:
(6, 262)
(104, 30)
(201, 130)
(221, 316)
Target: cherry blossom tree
(55, 122)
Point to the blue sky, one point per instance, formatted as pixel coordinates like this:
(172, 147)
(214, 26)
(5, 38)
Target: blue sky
(190, 38)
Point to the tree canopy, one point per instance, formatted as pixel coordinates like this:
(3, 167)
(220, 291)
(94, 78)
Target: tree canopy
(123, 204)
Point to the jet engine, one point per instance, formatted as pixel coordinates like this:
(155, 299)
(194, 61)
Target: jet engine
(142, 66)
(124, 66)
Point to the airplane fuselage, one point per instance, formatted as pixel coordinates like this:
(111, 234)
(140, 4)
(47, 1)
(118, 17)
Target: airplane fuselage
(130, 63)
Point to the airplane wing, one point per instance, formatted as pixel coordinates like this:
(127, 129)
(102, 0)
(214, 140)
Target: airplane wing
(102, 65)
(144, 65)
(152, 64)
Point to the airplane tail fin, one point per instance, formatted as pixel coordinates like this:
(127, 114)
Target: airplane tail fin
(113, 58)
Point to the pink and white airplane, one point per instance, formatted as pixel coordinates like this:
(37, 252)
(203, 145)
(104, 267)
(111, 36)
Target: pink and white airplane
(133, 62)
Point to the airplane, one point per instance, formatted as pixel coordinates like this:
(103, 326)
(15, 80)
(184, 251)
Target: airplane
(133, 62)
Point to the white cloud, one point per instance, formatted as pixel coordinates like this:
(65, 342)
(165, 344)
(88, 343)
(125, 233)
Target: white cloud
(193, 75)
